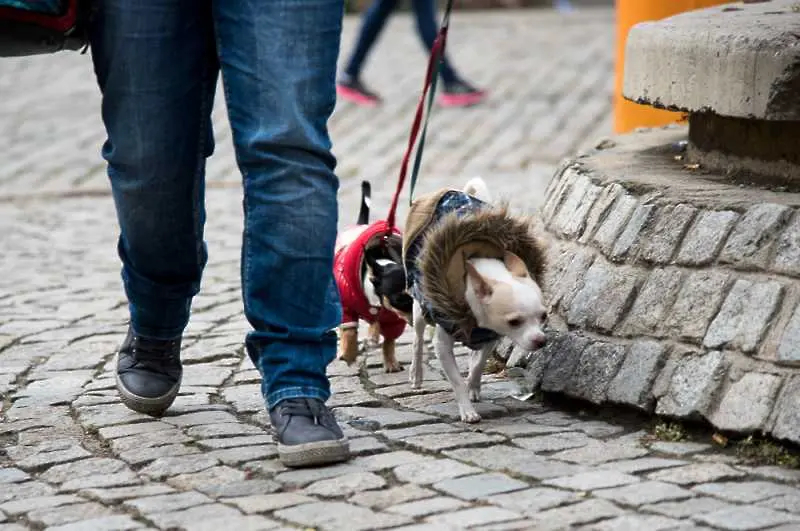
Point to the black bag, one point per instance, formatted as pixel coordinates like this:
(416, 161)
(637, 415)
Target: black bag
(32, 27)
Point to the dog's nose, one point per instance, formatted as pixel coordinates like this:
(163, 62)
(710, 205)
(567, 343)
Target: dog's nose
(538, 343)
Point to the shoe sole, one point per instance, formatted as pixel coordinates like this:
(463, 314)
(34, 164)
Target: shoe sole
(314, 453)
(356, 97)
(462, 100)
(154, 407)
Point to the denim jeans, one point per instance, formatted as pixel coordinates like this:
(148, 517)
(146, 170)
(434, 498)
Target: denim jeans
(373, 22)
(157, 63)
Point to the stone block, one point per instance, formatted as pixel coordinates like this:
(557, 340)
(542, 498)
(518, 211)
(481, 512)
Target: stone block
(634, 382)
(747, 403)
(653, 302)
(571, 217)
(641, 521)
(346, 485)
(563, 288)
(744, 316)
(638, 221)
(564, 353)
(479, 486)
(686, 508)
(559, 189)
(706, 237)
(643, 493)
(608, 196)
(744, 492)
(518, 461)
(604, 297)
(787, 418)
(599, 479)
(787, 250)
(749, 244)
(695, 305)
(669, 228)
(746, 518)
(573, 515)
(340, 515)
(693, 385)
(433, 471)
(474, 517)
(696, 473)
(789, 346)
(616, 220)
(598, 364)
(679, 448)
(534, 500)
(420, 508)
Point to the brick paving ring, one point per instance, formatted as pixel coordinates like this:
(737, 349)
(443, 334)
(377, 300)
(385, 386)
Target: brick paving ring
(676, 256)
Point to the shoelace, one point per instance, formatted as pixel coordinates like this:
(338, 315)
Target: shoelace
(303, 407)
(146, 351)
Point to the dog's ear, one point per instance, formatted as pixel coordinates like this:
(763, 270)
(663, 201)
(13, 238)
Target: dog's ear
(484, 287)
(515, 265)
(370, 255)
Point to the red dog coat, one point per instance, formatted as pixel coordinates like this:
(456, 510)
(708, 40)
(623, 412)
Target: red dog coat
(347, 265)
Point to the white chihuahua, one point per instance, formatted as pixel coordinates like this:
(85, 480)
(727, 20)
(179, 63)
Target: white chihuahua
(504, 299)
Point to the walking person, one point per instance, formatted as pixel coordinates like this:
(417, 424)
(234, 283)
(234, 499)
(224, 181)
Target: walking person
(157, 64)
(456, 92)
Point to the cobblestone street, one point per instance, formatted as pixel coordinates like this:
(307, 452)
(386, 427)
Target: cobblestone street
(73, 458)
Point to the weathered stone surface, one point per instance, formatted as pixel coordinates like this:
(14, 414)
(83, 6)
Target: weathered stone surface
(571, 217)
(22, 506)
(118, 494)
(474, 517)
(640, 218)
(704, 239)
(599, 363)
(679, 448)
(516, 460)
(600, 479)
(744, 316)
(392, 497)
(182, 464)
(686, 508)
(646, 492)
(696, 304)
(433, 471)
(787, 421)
(427, 507)
(693, 385)
(636, 521)
(788, 350)
(186, 517)
(653, 302)
(532, 501)
(338, 515)
(479, 486)
(70, 513)
(608, 195)
(634, 382)
(632, 466)
(604, 297)
(696, 473)
(670, 226)
(346, 485)
(745, 492)
(617, 219)
(747, 403)
(751, 239)
(556, 442)
(746, 518)
(597, 452)
(262, 503)
(567, 282)
(575, 514)
(117, 522)
(564, 353)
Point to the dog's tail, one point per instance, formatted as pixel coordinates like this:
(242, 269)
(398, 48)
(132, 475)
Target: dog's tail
(477, 187)
(366, 201)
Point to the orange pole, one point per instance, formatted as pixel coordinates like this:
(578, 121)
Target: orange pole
(627, 114)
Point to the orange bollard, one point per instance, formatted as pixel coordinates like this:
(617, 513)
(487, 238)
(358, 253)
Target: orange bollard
(627, 114)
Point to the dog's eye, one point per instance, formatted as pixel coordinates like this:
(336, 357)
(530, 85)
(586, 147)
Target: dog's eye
(544, 317)
(514, 323)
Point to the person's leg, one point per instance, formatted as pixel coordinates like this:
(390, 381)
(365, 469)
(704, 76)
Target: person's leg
(278, 63)
(455, 91)
(156, 111)
(373, 21)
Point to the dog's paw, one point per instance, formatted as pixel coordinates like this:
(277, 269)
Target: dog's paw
(415, 376)
(474, 395)
(373, 342)
(469, 415)
(393, 366)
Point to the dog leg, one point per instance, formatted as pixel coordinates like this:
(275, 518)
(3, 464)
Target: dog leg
(374, 335)
(477, 364)
(390, 363)
(444, 343)
(415, 371)
(348, 344)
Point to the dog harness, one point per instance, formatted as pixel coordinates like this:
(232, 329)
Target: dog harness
(460, 204)
(348, 267)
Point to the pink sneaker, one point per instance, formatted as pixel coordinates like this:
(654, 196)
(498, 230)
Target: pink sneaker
(354, 91)
(461, 94)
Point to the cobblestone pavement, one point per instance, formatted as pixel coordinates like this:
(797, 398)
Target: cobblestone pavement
(73, 458)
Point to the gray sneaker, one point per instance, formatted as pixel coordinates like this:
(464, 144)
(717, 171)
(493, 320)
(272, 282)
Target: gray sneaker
(307, 433)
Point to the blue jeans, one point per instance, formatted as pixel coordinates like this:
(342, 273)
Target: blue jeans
(373, 22)
(157, 63)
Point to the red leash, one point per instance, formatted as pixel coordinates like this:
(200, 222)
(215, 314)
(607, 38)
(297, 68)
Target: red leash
(437, 53)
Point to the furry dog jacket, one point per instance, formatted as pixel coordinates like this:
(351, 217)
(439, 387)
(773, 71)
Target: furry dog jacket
(445, 229)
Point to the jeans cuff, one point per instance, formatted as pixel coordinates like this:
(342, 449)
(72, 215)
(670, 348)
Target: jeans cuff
(295, 392)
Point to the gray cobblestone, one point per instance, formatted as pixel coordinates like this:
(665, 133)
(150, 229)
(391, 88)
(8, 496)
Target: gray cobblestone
(653, 302)
(116, 522)
(744, 315)
(345, 485)
(598, 365)
(744, 518)
(747, 403)
(479, 486)
(474, 517)
(787, 250)
(679, 448)
(788, 502)
(338, 515)
(635, 521)
(262, 503)
(532, 501)
(599, 479)
(693, 385)
(639, 220)
(644, 493)
(642, 464)
(752, 237)
(391, 497)
(427, 507)
(687, 508)
(705, 238)
(608, 195)
(597, 452)
(745, 492)
(696, 473)
(696, 304)
(617, 219)
(575, 514)
(668, 230)
(633, 384)
(790, 337)
(613, 285)
(787, 423)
